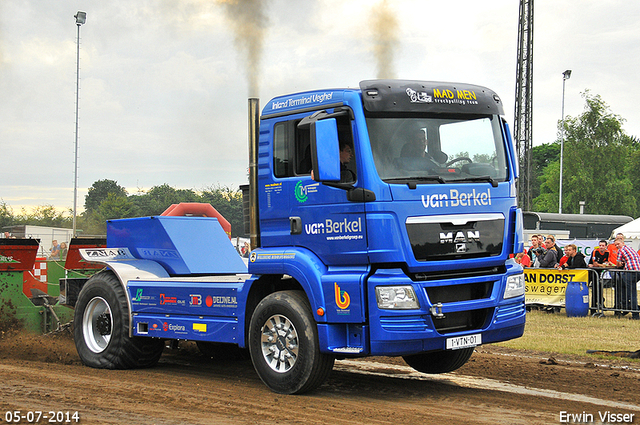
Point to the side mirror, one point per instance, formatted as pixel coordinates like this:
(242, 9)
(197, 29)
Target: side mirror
(325, 150)
(512, 148)
(518, 240)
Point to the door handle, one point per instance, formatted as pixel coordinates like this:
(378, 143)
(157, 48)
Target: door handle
(296, 225)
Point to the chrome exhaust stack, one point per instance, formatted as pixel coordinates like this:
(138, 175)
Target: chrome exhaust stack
(254, 136)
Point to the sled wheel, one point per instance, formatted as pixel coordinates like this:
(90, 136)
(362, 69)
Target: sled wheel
(101, 328)
(439, 361)
(283, 344)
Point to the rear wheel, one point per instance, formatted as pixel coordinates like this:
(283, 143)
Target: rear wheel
(439, 361)
(283, 343)
(101, 328)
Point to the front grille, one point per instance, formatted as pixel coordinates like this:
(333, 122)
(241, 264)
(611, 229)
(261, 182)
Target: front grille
(460, 321)
(457, 274)
(404, 323)
(509, 312)
(456, 293)
(440, 240)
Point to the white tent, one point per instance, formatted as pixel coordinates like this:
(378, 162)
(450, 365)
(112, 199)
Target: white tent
(631, 230)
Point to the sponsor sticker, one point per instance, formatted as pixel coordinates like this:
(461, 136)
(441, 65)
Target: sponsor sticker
(342, 297)
(337, 230)
(200, 327)
(93, 254)
(456, 198)
(302, 191)
(302, 100)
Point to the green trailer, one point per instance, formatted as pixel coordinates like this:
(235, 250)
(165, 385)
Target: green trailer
(28, 303)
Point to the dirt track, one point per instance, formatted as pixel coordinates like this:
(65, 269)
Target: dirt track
(497, 386)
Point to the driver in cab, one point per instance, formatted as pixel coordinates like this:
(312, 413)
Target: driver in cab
(416, 147)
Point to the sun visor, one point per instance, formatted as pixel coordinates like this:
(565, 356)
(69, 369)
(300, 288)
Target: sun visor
(402, 96)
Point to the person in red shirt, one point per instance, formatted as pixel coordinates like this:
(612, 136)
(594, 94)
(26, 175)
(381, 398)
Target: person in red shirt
(613, 253)
(523, 259)
(564, 258)
(613, 249)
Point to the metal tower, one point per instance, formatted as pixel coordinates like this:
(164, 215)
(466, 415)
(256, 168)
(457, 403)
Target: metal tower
(523, 132)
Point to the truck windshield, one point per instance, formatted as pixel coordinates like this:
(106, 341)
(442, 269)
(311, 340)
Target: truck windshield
(438, 150)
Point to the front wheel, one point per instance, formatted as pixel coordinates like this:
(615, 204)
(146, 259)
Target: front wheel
(283, 344)
(439, 361)
(101, 328)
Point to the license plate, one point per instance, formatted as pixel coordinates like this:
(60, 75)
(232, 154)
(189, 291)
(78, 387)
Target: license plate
(464, 342)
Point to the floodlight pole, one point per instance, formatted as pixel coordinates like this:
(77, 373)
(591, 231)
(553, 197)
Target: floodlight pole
(565, 76)
(81, 18)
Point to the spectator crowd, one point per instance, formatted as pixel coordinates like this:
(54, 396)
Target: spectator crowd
(544, 252)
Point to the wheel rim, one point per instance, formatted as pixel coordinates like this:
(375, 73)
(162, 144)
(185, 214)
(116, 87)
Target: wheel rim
(97, 323)
(279, 343)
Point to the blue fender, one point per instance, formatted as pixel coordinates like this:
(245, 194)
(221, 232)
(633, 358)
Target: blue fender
(126, 267)
(337, 291)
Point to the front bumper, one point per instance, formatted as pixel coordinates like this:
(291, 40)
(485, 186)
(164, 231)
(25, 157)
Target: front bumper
(449, 307)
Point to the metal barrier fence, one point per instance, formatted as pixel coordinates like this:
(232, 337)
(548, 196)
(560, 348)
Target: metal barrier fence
(614, 290)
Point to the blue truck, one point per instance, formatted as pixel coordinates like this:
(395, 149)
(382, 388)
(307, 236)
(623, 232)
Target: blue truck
(383, 221)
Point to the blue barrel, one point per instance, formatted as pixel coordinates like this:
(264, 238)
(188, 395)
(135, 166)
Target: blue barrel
(577, 299)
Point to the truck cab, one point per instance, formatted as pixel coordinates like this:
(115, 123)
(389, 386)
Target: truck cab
(404, 244)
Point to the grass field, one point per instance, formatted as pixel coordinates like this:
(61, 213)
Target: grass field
(557, 333)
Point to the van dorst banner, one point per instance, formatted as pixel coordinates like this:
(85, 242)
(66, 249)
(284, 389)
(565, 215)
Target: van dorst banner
(548, 286)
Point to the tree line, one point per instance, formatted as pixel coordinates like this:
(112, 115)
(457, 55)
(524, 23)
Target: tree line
(107, 200)
(601, 165)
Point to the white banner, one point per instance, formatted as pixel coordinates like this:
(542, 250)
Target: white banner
(585, 246)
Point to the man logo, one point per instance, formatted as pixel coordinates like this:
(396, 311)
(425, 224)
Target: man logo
(471, 236)
(342, 298)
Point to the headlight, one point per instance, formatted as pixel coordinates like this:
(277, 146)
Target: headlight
(515, 286)
(396, 297)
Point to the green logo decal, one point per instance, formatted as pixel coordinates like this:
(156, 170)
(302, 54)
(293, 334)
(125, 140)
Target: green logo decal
(138, 295)
(300, 192)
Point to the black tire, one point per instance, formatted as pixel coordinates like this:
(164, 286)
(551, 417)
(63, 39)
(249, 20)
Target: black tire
(282, 324)
(439, 361)
(101, 328)
(222, 352)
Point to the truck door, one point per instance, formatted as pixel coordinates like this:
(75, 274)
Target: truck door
(323, 218)
(307, 213)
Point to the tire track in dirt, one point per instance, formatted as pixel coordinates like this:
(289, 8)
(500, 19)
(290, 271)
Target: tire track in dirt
(44, 373)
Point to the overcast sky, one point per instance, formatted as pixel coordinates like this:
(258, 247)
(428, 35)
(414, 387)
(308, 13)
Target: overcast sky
(164, 83)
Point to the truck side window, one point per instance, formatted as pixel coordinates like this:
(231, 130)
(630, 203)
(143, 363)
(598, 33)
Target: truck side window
(303, 152)
(281, 152)
(347, 152)
(292, 148)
